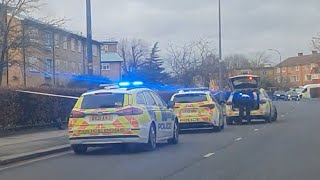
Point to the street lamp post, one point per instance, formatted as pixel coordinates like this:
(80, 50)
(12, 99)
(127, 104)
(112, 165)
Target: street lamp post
(89, 38)
(220, 50)
(279, 64)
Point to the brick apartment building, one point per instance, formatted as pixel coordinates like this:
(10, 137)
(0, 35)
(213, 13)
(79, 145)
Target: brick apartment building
(111, 62)
(53, 58)
(299, 70)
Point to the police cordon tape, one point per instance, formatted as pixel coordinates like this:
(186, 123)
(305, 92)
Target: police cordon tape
(47, 94)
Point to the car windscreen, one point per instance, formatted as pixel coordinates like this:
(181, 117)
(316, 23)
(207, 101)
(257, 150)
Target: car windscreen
(190, 98)
(102, 100)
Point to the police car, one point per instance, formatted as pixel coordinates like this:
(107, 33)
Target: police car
(197, 109)
(262, 106)
(118, 115)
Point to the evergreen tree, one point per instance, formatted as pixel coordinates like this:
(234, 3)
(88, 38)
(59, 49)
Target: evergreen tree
(152, 70)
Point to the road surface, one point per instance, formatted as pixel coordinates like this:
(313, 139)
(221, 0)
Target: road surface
(285, 150)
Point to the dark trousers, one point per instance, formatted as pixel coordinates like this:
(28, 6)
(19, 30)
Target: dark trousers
(246, 108)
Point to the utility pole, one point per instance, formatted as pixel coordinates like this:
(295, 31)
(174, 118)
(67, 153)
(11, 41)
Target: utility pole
(89, 38)
(220, 50)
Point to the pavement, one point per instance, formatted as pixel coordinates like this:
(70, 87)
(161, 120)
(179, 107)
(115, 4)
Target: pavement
(285, 150)
(26, 146)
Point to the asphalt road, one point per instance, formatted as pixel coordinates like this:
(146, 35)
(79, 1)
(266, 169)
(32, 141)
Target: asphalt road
(285, 150)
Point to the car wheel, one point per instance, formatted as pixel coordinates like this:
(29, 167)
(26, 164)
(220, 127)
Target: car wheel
(175, 138)
(229, 121)
(152, 142)
(275, 116)
(79, 149)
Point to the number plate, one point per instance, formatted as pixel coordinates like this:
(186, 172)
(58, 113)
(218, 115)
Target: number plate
(189, 111)
(102, 118)
(189, 120)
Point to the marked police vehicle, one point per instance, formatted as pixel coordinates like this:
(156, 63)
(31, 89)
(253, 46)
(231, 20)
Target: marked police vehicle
(128, 114)
(247, 89)
(196, 108)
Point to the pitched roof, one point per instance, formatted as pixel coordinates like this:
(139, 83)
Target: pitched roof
(110, 57)
(300, 60)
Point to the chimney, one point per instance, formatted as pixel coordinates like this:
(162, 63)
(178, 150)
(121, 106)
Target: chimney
(314, 52)
(300, 54)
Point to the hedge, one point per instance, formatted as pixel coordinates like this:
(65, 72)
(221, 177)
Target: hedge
(25, 110)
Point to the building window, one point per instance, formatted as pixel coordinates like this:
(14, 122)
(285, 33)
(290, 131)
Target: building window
(73, 45)
(105, 66)
(33, 33)
(284, 70)
(47, 39)
(94, 50)
(65, 43)
(57, 66)
(79, 46)
(33, 64)
(56, 40)
(80, 68)
(48, 65)
(308, 77)
(313, 66)
(294, 78)
(278, 70)
(73, 68)
(264, 72)
(297, 68)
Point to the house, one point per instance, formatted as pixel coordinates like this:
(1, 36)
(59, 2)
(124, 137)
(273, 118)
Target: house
(299, 70)
(111, 62)
(50, 57)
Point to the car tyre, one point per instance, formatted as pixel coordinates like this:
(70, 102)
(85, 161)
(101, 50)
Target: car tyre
(275, 116)
(152, 140)
(79, 149)
(229, 121)
(176, 130)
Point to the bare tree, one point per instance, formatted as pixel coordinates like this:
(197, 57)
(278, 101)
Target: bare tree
(260, 59)
(192, 60)
(316, 42)
(134, 53)
(13, 36)
(237, 61)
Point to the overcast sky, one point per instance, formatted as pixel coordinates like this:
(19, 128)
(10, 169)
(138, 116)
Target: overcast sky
(248, 25)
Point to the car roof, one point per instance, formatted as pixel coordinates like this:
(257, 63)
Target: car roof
(192, 92)
(117, 90)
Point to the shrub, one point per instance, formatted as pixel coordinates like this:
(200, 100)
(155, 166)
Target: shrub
(23, 109)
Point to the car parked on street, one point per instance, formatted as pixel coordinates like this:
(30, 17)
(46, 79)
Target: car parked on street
(279, 95)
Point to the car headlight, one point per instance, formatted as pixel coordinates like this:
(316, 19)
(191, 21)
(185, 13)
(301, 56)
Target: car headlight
(289, 95)
(278, 94)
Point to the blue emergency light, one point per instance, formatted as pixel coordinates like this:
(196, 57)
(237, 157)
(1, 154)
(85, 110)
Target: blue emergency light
(127, 84)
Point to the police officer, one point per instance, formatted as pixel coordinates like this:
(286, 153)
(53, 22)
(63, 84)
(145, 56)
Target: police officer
(244, 100)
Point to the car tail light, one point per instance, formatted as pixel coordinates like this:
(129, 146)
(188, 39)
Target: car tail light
(263, 101)
(77, 114)
(129, 111)
(211, 106)
(229, 103)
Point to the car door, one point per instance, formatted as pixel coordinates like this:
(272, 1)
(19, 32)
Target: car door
(154, 112)
(166, 124)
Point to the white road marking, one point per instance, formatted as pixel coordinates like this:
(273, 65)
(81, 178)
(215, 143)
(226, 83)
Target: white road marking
(238, 139)
(256, 129)
(208, 155)
(34, 160)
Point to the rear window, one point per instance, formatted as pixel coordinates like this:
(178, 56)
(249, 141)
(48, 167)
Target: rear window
(189, 98)
(245, 83)
(103, 100)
